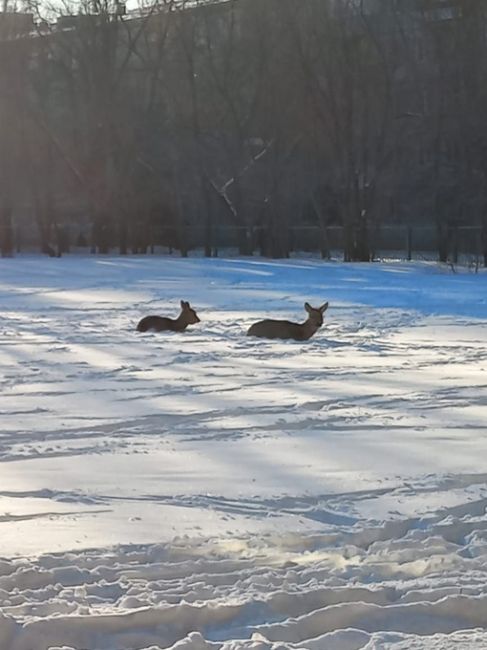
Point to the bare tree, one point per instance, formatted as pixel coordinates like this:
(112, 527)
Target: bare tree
(348, 98)
(95, 121)
(14, 59)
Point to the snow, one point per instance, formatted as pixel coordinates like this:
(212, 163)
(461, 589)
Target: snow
(206, 490)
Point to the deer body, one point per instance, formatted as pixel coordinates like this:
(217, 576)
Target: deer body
(284, 329)
(188, 316)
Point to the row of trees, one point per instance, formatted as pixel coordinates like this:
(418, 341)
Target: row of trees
(261, 114)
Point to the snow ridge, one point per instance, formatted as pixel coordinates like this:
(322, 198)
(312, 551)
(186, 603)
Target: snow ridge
(356, 589)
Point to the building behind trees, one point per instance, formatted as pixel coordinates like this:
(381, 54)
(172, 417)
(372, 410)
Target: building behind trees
(265, 125)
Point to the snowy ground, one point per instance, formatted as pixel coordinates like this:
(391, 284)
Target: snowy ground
(190, 490)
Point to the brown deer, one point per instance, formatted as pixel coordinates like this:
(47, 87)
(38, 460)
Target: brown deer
(284, 329)
(188, 316)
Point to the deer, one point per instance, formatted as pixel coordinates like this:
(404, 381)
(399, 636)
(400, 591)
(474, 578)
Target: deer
(284, 329)
(188, 316)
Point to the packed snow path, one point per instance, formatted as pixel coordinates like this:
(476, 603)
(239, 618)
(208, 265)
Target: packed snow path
(328, 494)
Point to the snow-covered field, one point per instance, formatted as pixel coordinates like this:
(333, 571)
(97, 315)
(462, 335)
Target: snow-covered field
(208, 490)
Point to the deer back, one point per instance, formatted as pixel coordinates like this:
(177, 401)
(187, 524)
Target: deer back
(284, 329)
(188, 316)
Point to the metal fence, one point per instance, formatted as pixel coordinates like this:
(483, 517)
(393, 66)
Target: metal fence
(398, 241)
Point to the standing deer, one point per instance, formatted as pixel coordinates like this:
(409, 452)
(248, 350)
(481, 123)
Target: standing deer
(188, 316)
(284, 329)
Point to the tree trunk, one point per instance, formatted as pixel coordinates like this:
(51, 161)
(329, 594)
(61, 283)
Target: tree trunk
(245, 246)
(325, 244)
(409, 243)
(208, 220)
(347, 243)
(443, 242)
(123, 235)
(6, 232)
(454, 238)
(363, 251)
(279, 244)
(101, 233)
(357, 246)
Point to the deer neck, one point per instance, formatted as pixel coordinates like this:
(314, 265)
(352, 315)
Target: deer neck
(309, 328)
(180, 323)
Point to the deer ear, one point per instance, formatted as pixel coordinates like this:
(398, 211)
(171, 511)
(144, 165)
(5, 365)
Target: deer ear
(324, 307)
(308, 307)
(183, 304)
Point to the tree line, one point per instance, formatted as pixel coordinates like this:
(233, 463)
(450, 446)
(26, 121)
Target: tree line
(261, 115)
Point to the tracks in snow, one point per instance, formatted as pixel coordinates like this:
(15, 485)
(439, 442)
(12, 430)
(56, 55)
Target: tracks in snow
(408, 581)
